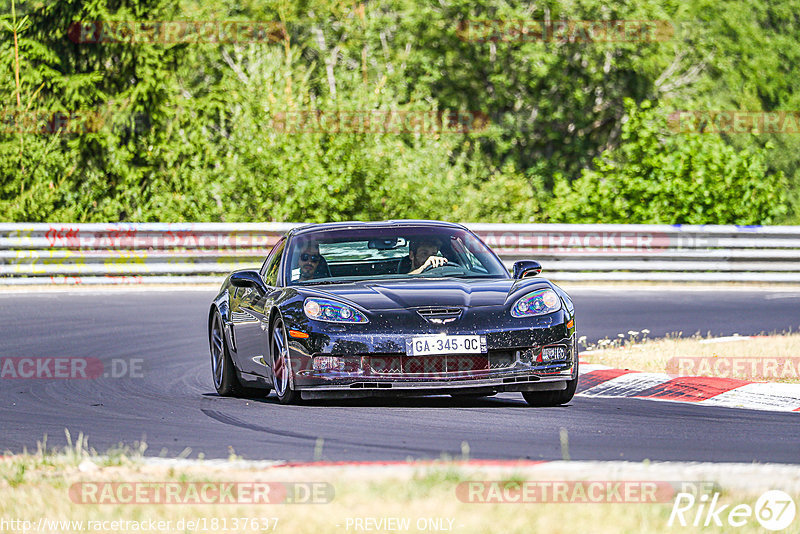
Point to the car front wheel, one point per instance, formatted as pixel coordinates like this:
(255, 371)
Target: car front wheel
(554, 398)
(282, 376)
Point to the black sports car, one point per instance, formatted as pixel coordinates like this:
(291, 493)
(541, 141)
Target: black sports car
(360, 309)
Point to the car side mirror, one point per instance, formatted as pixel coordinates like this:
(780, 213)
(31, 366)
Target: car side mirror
(526, 268)
(247, 279)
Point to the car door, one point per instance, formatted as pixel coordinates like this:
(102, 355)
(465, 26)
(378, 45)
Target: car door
(251, 329)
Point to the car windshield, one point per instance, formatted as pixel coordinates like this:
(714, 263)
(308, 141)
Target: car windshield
(381, 253)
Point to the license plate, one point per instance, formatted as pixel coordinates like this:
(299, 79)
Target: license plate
(554, 353)
(422, 345)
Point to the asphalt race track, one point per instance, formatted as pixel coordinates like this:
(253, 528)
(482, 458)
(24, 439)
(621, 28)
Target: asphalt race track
(171, 403)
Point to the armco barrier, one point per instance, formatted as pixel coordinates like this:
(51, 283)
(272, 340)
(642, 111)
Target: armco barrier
(138, 253)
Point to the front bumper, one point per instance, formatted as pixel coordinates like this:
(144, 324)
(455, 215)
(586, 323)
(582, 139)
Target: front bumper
(398, 389)
(375, 364)
(520, 377)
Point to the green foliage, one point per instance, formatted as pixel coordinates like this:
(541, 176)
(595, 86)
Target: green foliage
(187, 131)
(658, 177)
(238, 165)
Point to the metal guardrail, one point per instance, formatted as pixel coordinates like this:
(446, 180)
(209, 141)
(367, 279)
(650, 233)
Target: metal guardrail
(139, 253)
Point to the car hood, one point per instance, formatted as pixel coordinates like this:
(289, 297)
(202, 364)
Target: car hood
(454, 292)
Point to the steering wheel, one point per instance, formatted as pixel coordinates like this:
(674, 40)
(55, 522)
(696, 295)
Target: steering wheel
(448, 263)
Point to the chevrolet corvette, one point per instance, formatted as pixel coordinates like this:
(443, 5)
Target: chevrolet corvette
(358, 309)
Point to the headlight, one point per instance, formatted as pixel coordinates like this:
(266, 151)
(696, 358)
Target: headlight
(539, 302)
(332, 311)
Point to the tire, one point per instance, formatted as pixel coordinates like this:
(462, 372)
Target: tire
(553, 398)
(223, 373)
(282, 376)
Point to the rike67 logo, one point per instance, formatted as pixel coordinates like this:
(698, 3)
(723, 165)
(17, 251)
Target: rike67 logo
(774, 510)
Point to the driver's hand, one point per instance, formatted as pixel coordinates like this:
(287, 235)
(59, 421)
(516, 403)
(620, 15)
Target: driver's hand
(433, 262)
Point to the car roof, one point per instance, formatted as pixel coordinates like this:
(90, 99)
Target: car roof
(372, 224)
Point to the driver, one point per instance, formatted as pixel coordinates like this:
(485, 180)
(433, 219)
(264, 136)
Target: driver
(422, 253)
(309, 261)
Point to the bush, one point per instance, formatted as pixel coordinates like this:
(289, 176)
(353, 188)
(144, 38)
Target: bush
(656, 176)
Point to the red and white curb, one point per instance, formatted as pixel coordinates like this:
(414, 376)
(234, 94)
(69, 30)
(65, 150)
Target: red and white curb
(602, 381)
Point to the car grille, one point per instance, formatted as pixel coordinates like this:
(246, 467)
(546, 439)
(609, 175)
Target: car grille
(400, 364)
(423, 365)
(440, 315)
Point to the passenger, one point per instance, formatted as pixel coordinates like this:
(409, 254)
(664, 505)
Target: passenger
(422, 253)
(310, 260)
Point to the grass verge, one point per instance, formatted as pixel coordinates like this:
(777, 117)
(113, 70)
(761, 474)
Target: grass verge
(405, 498)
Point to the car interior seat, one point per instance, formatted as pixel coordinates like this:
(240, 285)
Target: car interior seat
(404, 266)
(323, 271)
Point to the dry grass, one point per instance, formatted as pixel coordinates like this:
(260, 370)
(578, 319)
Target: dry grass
(37, 486)
(773, 358)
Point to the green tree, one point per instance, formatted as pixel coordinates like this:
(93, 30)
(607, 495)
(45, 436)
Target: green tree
(655, 176)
